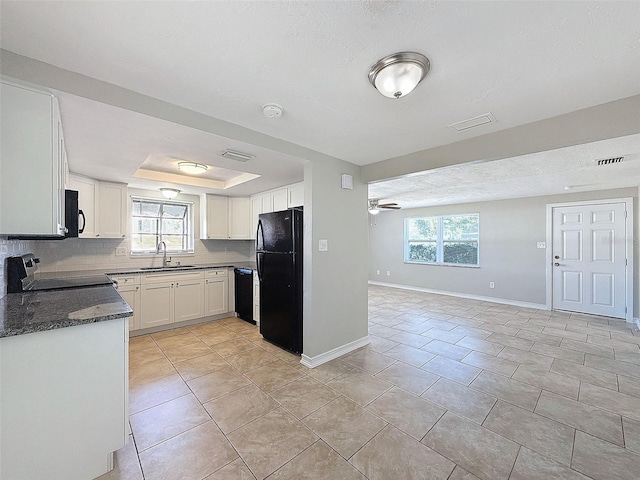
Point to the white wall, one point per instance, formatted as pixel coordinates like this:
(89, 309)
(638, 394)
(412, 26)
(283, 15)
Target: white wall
(335, 290)
(74, 254)
(509, 230)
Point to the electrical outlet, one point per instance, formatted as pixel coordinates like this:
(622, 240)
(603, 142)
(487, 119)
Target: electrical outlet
(121, 252)
(323, 245)
(388, 273)
(377, 272)
(492, 285)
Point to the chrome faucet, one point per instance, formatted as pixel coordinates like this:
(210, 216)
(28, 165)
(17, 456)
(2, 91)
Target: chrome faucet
(165, 263)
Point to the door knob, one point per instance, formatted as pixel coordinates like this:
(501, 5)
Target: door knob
(557, 264)
(557, 257)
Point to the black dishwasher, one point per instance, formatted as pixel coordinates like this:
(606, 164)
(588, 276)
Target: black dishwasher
(244, 293)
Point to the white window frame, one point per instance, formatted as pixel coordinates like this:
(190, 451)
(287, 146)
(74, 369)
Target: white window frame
(440, 241)
(190, 250)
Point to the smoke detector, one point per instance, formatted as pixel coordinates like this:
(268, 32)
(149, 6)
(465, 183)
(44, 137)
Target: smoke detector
(272, 110)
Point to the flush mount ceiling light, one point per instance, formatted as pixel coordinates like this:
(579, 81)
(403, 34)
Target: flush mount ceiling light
(170, 192)
(192, 168)
(397, 75)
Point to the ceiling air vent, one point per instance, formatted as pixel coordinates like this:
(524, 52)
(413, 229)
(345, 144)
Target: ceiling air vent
(238, 156)
(609, 161)
(473, 122)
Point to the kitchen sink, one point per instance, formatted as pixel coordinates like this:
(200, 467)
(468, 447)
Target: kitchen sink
(170, 267)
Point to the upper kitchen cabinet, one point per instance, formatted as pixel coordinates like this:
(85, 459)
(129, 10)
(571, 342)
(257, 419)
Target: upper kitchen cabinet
(279, 199)
(275, 201)
(295, 195)
(225, 218)
(112, 210)
(88, 204)
(32, 153)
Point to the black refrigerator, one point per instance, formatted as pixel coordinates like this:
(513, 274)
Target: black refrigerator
(279, 265)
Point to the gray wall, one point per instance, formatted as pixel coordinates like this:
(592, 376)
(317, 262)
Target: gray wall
(335, 298)
(509, 230)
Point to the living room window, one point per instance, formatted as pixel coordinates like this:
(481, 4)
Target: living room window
(154, 221)
(442, 240)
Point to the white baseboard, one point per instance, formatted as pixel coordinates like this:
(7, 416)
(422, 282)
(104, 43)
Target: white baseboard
(637, 320)
(503, 301)
(313, 362)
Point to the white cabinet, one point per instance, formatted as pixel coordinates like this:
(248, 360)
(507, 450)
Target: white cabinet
(225, 218)
(112, 210)
(295, 195)
(128, 287)
(31, 148)
(275, 201)
(88, 196)
(171, 297)
(260, 203)
(216, 291)
(279, 199)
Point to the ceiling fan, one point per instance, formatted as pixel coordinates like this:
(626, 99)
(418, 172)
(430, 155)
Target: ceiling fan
(374, 206)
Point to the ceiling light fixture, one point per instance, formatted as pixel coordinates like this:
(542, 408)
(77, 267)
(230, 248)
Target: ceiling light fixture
(192, 168)
(170, 192)
(374, 210)
(397, 75)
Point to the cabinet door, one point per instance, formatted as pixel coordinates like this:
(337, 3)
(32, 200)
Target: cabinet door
(131, 295)
(267, 203)
(296, 195)
(113, 210)
(156, 304)
(279, 199)
(256, 209)
(216, 296)
(239, 218)
(189, 302)
(214, 217)
(87, 202)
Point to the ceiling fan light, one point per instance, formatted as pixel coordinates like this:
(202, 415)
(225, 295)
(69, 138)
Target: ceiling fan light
(374, 210)
(170, 192)
(397, 75)
(192, 168)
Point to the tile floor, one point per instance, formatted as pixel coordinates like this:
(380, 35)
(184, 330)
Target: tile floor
(448, 389)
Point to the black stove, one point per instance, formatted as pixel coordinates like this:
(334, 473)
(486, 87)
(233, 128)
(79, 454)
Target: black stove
(21, 277)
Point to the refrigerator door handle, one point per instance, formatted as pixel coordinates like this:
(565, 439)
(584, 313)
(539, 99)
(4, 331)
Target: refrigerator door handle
(259, 236)
(259, 270)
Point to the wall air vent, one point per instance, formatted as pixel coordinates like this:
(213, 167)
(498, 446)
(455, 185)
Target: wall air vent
(609, 161)
(474, 122)
(238, 156)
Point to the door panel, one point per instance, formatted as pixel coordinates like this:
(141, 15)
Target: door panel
(277, 299)
(589, 265)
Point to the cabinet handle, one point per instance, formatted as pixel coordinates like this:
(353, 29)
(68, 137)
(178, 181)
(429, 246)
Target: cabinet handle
(137, 288)
(97, 234)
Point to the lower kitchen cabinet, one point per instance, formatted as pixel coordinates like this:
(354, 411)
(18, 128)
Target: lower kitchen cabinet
(171, 297)
(216, 292)
(156, 302)
(129, 289)
(189, 298)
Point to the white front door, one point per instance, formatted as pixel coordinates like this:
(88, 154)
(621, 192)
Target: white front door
(589, 263)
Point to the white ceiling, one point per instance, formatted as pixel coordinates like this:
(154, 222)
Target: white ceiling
(521, 61)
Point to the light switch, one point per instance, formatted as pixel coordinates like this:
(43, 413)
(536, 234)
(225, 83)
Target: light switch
(323, 245)
(541, 245)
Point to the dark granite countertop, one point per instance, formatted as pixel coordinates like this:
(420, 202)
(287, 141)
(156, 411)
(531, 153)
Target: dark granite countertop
(135, 270)
(31, 312)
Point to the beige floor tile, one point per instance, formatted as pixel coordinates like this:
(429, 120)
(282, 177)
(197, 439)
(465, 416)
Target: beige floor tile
(395, 455)
(344, 425)
(629, 385)
(510, 340)
(178, 354)
(199, 366)
(631, 434)
(174, 341)
(126, 465)
(157, 424)
(411, 339)
(479, 345)
(617, 345)
(368, 360)
(195, 453)
(526, 358)
(274, 375)
(360, 387)
(627, 357)
(206, 328)
(460, 399)
(460, 473)
(155, 392)
(444, 349)
(142, 355)
(579, 337)
(330, 370)
(409, 413)
(480, 451)
(590, 375)
(412, 356)
(547, 437)
(383, 331)
(559, 352)
(412, 379)
(602, 460)
(271, 441)
(411, 327)
(218, 337)
(303, 396)
(616, 402)
(251, 359)
(592, 420)
(217, 383)
(542, 338)
(445, 336)
(553, 382)
(317, 462)
(141, 341)
(584, 347)
(379, 344)
(533, 466)
(491, 363)
(512, 391)
(614, 366)
(233, 347)
(170, 333)
(236, 470)
(235, 409)
(140, 374)
(452, 370)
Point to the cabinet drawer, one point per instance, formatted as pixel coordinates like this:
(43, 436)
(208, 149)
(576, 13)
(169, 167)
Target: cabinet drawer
(217, 272)
(126, 280)
(170, 277)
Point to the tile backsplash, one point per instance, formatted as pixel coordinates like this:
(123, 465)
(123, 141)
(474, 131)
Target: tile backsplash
(10, 248)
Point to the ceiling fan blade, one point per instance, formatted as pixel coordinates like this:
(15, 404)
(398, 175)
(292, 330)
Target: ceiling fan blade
(389, 207)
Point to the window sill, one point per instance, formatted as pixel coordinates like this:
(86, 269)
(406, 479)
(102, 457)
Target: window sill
(442, 264)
